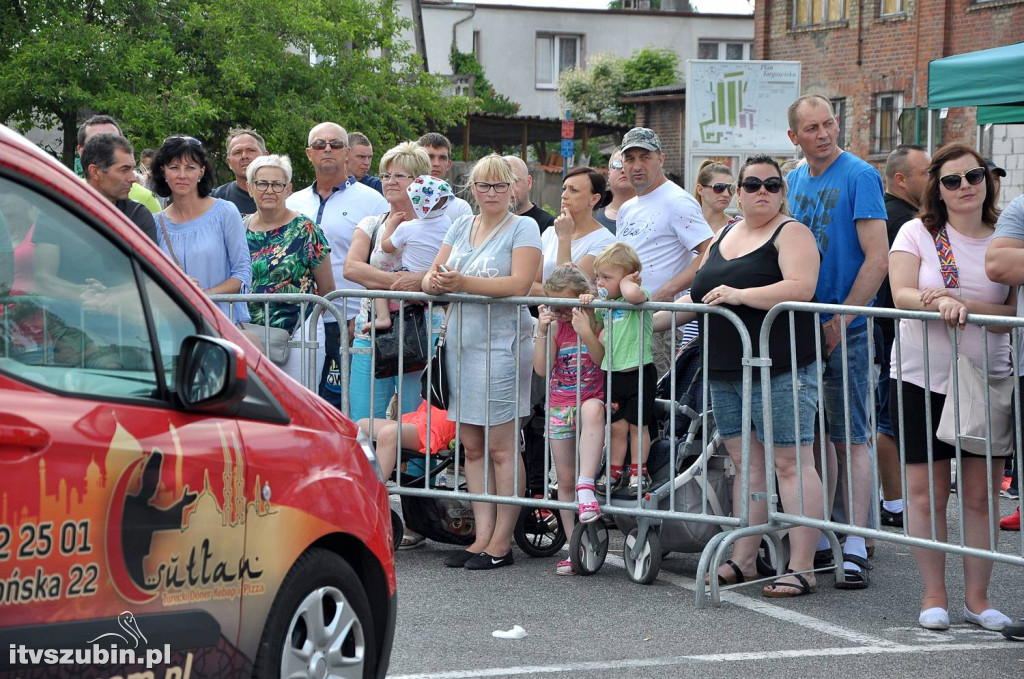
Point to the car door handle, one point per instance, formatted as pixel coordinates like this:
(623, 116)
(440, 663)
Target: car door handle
(23, 438)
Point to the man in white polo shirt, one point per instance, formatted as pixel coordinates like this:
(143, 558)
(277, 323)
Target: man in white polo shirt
(336, 203)
(666, 227)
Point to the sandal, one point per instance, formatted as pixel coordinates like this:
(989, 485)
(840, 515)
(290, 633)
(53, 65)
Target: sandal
(798, 588)
(737, 579)
(588, 511)
(412, 540)
(855, 579)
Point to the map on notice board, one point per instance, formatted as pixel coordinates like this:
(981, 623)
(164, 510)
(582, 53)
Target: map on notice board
(740, 105)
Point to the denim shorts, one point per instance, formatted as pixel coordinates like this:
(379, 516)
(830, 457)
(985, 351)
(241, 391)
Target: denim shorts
(857, 386)
(727, 403)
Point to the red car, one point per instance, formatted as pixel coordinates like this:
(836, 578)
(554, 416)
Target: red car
(171, 503)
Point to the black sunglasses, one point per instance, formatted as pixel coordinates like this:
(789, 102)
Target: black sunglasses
(973, 176)
(188, 140)
(754, 184)
(320, 144)
(719, 187)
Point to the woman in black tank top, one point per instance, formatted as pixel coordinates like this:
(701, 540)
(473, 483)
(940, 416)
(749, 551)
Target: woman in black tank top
(751, 266)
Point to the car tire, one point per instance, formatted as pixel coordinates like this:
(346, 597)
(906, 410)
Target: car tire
(321, 590)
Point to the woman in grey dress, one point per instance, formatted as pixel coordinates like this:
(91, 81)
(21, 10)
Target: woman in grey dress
(496, 254)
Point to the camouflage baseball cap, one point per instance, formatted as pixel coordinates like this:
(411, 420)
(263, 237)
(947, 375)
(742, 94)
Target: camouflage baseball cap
(642, 138)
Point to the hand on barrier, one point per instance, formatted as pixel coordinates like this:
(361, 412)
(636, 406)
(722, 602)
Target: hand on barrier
(409, 281)
(586, 298)
(953, 312)
(545, 316)
(449, 281)
(929, 295)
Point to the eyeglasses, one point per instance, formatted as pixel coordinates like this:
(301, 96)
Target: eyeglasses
(754, 184)
(615, 165)
(188, 140)
(719, 187)
(484, 187)
(973, 176)
(276, 187)
(320, 144)
(397, 176)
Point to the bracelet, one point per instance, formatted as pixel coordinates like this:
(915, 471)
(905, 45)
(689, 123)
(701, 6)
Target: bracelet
(540, 337)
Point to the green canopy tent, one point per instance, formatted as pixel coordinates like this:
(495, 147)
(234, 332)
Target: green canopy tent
(992, 80)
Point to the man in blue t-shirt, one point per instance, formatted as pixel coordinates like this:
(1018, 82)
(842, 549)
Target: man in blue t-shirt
(840, 198)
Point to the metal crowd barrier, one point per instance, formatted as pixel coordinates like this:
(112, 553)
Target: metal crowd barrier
(649, 510)
(780, 518)
(306, 344)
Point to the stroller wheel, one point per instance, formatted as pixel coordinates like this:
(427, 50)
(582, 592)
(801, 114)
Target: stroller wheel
(644, 567)
(588, 547)
(539, 532)
(768, 556)
(397, 528)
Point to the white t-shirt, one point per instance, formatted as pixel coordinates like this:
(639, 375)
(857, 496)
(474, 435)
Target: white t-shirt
(590, 244)
(419, 240)
(664, 226)
(458, 208)
(969, 254)
(337, 216)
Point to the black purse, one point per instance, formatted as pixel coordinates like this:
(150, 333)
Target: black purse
(434, 386)
(411, 346)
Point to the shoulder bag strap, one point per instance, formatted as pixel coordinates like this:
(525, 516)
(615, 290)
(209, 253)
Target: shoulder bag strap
(167, 239)
(373, 236)
(947, 262)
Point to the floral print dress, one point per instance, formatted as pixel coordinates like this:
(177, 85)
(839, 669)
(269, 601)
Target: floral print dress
(283, 260)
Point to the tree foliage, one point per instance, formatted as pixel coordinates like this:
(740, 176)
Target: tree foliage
(594, 93)
(163, 67)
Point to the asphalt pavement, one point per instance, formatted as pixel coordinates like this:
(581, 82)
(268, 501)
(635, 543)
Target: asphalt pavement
(606, 626)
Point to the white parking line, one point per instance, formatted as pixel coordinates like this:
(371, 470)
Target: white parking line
(605, 665)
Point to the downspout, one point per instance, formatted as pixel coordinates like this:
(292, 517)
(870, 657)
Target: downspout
(455, 27)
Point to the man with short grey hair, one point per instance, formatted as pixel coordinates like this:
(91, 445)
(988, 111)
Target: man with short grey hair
(244, 146)
(664, 224)
(336, 202)
(523, 206)
(108, 161)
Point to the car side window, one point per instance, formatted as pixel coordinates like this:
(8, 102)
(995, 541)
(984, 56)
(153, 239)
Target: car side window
(71, 314)
(172, 325)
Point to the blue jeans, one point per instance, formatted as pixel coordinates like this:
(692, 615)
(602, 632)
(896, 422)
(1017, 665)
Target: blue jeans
(330, 375)
(856, 387)
(361, 382)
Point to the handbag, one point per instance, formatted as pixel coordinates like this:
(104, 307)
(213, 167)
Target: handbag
(411, 345)
(971, 388)
(434, 386)
(275, 341)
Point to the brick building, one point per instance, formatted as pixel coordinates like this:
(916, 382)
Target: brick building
(871, 58)
(663, 109)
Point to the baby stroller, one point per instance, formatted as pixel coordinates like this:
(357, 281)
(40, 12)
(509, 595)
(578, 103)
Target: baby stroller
(697, 465)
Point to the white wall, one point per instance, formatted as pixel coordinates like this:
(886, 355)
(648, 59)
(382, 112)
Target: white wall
(508, 39)
(1008, 153)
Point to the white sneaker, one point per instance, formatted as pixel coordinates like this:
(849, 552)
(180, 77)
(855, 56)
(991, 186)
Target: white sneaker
(989, 619)
(934, 618)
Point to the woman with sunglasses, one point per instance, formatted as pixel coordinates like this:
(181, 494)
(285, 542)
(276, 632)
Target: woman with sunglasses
(621, 190)
(489, 351)
(714, 191)
(202, 234)
(289, 255)
(937, 263)
(764, 259)
(380, 270)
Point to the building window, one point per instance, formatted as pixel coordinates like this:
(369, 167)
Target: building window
(811, 12)
(887, 7)
(888, 106)
(839, 108)
(555, 53)
(476, 45)
(722, 50)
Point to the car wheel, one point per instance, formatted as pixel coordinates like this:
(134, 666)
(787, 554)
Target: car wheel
(320, 623)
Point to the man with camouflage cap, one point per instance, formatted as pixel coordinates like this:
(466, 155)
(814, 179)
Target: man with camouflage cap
(664, 224)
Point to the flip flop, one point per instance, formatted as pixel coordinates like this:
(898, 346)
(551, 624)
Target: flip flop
(412, 541)
(738, 578)
(801, 586)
